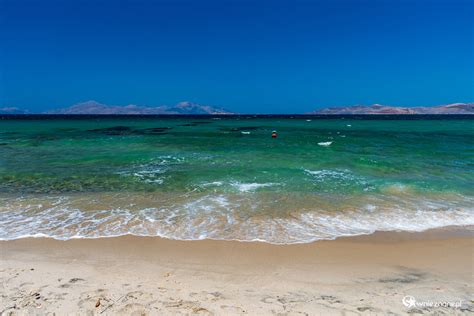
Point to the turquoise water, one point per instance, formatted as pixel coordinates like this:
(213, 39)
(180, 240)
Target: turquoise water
(226, 178)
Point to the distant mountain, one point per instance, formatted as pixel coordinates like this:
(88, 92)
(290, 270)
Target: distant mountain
(13, 110)
(93, 107)
(455, 108)
(190, 108)
(187, 107)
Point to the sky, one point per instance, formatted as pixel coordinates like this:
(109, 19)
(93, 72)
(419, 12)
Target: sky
(246, 56)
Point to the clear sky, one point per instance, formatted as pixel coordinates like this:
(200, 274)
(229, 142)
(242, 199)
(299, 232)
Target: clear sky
(247, 56)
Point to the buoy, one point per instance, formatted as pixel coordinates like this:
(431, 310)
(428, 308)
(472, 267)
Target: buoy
(274, 134)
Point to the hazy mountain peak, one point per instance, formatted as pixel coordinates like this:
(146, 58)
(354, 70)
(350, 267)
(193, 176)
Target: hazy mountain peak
(89, 103)
(186, 104)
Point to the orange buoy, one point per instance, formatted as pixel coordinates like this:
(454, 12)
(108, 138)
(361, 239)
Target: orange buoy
(274, 134)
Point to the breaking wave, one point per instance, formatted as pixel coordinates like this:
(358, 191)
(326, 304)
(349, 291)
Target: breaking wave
(240, 217)
(331, 180)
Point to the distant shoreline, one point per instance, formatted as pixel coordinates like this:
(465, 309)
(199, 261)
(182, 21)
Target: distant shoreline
(249, 116)
(190, 108)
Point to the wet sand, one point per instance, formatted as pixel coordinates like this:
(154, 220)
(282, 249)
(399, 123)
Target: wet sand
(367, 275)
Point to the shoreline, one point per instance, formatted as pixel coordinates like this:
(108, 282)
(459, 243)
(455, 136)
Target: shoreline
(367, 274)
(379, 235)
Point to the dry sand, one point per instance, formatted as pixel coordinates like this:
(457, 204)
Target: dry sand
(151, 276)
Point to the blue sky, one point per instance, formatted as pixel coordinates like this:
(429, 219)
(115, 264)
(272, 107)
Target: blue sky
(247, 56)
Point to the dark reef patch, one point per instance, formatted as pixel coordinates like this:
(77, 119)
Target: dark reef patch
(66, 129)
(239, 129)
(153, 131)
(126, 130)
(114, 130)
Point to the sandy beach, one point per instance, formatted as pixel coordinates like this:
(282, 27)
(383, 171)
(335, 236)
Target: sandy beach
(366, 275)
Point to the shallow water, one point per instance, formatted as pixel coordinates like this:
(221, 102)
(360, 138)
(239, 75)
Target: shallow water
(226, 178)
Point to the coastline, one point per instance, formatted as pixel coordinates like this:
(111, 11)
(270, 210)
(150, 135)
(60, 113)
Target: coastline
(367, 274)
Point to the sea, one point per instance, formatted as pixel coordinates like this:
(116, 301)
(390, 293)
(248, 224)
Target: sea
(226, 178)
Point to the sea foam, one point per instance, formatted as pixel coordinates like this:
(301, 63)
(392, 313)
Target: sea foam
(247, 187)
(226, 217)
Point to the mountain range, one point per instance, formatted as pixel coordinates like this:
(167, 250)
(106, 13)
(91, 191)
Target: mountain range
(94, 107)
(190, 108)
(454, 108)
(13, 110)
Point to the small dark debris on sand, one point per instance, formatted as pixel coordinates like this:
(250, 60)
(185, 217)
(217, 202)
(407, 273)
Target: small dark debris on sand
(411, 277)
(74, 280)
